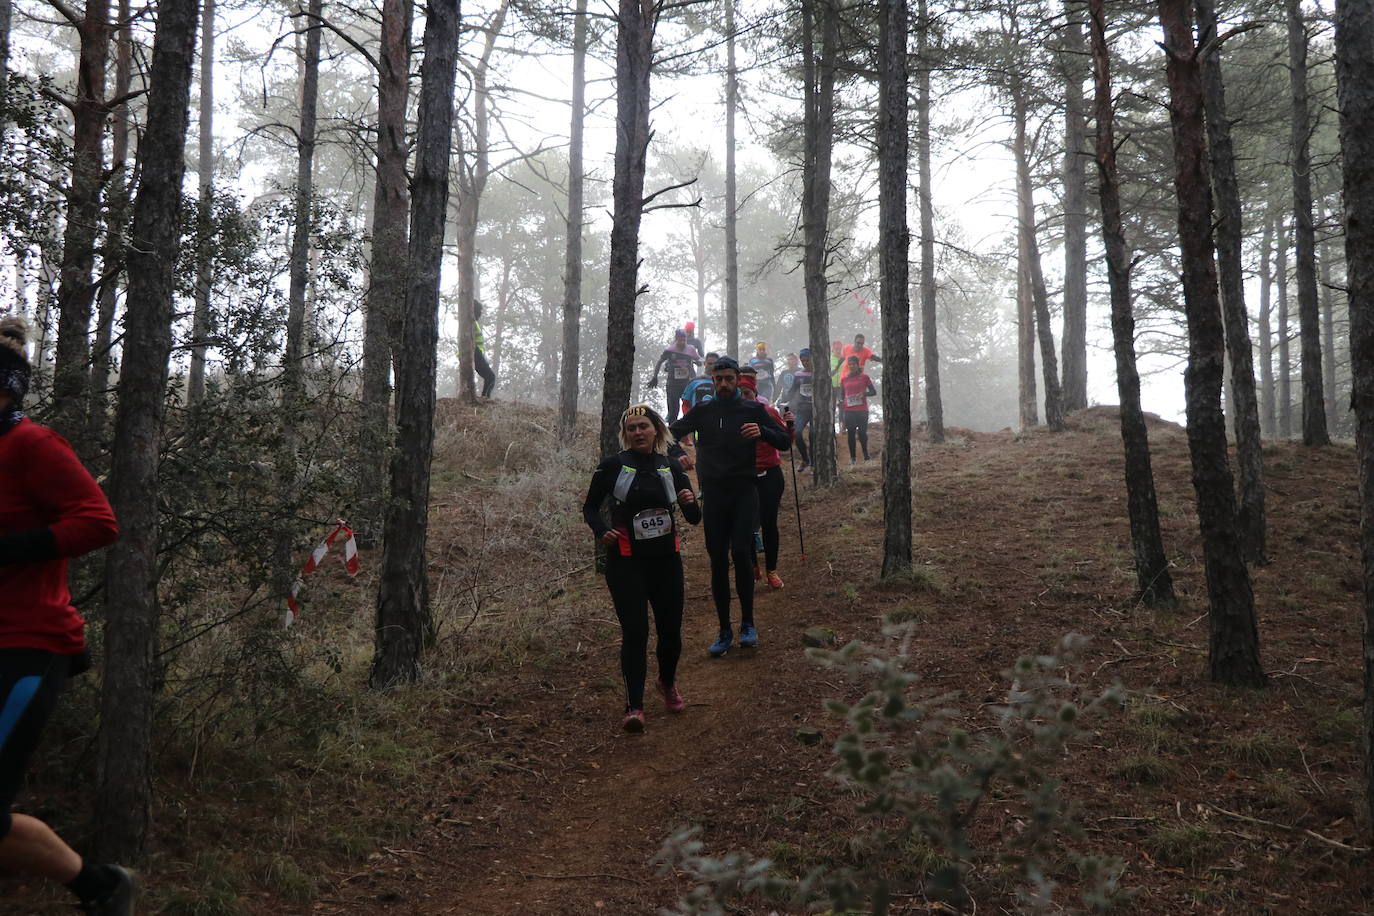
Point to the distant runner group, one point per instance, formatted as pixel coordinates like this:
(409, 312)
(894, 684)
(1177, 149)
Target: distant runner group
(725, 424)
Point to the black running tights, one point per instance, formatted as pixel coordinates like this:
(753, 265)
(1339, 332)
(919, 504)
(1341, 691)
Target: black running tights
(856, 424)
(772, 485)
(636, 584)
(804, 416)
(729, 513)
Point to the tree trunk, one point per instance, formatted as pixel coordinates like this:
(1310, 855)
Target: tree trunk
(1285, 379)
(404, 624)
(935, 405)
(117, 214)
(572, 260)
(384, 306)
(818, 130)
(76, 291)
(1028, 250)
(633, 59)
(731, 200)
(1304, 236)
(1027, 397)
(894, 241)
(1229, 236)
(6, 17)
(1075, 342)
(305, 189)
(1268, 413)
(1154, 584)
(1233, 644)
(1328, 307)
(205, 172)
(124, 745)
(472, 183)
(1355, 82)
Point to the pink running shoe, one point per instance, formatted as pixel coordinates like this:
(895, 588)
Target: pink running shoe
(672, 697)
(774, 580)
(634, 721)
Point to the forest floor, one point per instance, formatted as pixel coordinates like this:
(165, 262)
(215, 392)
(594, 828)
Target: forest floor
(530, 799)
(1217, 800)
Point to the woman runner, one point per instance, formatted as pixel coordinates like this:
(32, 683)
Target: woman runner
(50, 511)
(855, 390)
(643, 566)
(772, 484)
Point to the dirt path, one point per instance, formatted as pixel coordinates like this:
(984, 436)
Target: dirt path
(1021, 541)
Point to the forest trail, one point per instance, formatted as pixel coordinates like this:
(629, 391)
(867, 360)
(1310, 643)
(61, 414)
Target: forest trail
(1020, 539)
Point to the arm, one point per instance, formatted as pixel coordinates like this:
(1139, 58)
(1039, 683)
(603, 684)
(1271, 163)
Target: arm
(773, 432)
(685, 424)
(662, 358)
(690, 511)
(602, 481)
(871, 390)
(83, 521)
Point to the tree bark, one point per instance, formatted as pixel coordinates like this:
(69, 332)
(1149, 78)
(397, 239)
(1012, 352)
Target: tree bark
(1314, 430)
(124, 746)
(1075, 342)
(205, 172)
(572, 261)
(384, 306)
(635, 26)
(1231, 277)
(818, 129)
(930, 346)
(894, 240)
(305, 190)
(1154, 584)
(1233, 643)
(1285, 379)
(404, 624)
(1355, 82)
(1028, 249)
(1328, 307)
(1268, 412)
(731, 198)
(472, 183)
(117, 214)
(76, 289)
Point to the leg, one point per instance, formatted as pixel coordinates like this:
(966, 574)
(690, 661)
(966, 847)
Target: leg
(863, 433)
(666, 595)
(625, 579)
(746, 512)
(850, 432)
(803, 421)
(479, 362)
(771, 487)
(674, 401)
(716, 519)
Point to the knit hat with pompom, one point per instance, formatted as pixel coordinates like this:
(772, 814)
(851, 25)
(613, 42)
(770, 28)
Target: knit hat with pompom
(14, 361)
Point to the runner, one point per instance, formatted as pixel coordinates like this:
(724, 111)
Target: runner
(864, 354)
(479, 358)
(763, 364)
(772, 484)
(692, 338)
(681, 359)
(855, 389)
(701, 388)
(785, 380)
(797, 398)
(727, 429)
(50, 511)
(643, 563)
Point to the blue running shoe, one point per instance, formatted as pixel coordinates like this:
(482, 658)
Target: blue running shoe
(722, 643)
(748, 637)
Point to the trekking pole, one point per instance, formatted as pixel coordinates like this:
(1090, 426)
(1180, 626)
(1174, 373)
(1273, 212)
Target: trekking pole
(796, 499)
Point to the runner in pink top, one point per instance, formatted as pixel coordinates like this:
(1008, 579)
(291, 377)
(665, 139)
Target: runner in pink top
(855, 390)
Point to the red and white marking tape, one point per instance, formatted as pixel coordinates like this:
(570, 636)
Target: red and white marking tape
(350, 561)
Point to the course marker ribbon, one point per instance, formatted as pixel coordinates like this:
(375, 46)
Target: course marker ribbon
(350, 561)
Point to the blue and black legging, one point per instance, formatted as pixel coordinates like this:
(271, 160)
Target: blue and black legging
(30, 682)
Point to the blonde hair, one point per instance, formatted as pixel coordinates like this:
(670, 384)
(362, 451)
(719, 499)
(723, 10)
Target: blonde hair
(662, 438)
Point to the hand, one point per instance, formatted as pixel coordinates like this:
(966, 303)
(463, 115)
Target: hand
(788, 417)
(750, 431)
(653, 383)
(686, 497)
(687, 462)
(610, 538)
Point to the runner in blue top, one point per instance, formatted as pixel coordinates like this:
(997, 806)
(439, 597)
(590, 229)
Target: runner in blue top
(765, 368)
(700, 389)
(785, 378)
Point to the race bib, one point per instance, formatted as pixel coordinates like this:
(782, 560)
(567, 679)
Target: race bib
(652, 523)
(682, 372)
(806, 389)
(853, 400)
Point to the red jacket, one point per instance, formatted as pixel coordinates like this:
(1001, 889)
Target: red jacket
(767, 456)
(44, 485)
